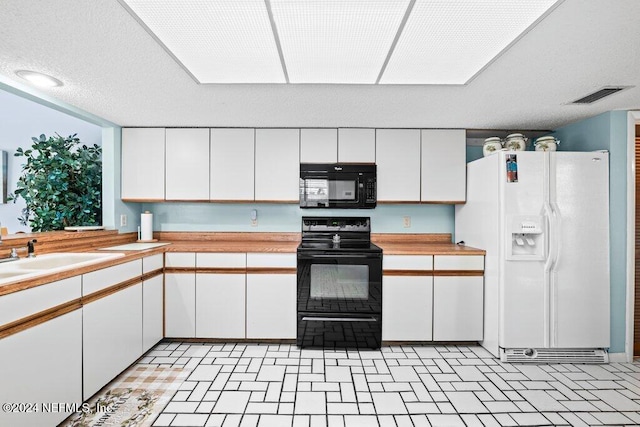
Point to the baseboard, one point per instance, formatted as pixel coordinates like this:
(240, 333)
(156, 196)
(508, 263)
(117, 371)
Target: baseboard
(618, 358)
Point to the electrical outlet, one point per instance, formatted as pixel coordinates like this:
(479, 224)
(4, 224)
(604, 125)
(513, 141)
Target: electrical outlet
(406, 221)
(123, 220)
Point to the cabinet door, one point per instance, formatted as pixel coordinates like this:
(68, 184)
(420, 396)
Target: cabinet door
(407, 303)
(278, 165)
(111, 336)
(41, 365)
(220, 305)
(457, 308)
(398, 160)
(357, 145)
(318, 145)
(271, 306)
(232, 164)
(143, 162)
(180, 305)
(187, 164)
(152, 312)
(444, 165)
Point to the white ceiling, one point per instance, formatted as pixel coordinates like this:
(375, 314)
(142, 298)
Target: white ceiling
(113, 68)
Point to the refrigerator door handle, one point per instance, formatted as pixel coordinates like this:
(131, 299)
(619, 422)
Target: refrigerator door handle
(549, 216)
(557, 225)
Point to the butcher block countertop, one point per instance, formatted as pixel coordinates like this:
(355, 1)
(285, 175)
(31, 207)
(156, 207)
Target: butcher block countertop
(392, 244)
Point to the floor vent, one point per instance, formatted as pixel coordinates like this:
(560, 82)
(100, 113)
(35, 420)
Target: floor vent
(554, 355)
(599, 94)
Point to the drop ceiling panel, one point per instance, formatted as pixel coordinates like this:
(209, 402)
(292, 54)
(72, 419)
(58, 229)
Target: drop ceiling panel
(216, 41)
(336, 41)
(449, 41)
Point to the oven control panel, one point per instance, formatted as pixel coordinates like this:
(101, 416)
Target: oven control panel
(335, 224)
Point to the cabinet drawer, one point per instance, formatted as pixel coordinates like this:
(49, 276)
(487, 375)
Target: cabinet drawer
(458, 262)
(102, 279)
(180, 259)
(152, 263)
(19, 305)
(221, 260)
(407, 262)
(271, 260)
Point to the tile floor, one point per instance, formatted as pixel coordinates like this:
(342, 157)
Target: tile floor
(242, 385)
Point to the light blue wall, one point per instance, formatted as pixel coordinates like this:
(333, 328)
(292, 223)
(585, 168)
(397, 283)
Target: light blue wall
(287, 217)
(608, 131)
(474, 152)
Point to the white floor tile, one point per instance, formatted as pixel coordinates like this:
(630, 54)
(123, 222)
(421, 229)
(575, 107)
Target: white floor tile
(310, 403)
(530, 419)
(389, 403)
(232, 402)
(466, 402)
(190, 420)
(275, 421)
(616, 400)
(361, 421)
(271, 373)
(445, 421)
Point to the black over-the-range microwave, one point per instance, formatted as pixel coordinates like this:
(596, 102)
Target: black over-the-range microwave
(338, 185)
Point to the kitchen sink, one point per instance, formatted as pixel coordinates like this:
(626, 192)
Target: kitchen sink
(57, 260)
(25, 268)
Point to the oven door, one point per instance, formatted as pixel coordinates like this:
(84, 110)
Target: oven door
(339, 282)
(331, 190)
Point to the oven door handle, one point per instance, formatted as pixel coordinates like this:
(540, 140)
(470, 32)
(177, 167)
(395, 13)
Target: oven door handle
(336, 256)
(339, 319)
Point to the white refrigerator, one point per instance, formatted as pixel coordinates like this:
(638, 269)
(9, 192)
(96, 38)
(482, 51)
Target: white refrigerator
(543, 219)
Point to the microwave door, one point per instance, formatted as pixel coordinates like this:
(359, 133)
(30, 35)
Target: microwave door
(315, 192)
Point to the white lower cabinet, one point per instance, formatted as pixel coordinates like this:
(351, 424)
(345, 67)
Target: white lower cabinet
(152, 312)
(180, 305)
(271, 306)
(112, 337)
(220, 305)
(42, 365)
(407, 303)
(458, 308)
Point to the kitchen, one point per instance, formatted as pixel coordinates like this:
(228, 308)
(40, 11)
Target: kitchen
(331, 108)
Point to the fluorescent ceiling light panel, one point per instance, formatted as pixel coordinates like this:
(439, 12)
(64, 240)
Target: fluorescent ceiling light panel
(336, 41)
(216, 41)
(450, 41)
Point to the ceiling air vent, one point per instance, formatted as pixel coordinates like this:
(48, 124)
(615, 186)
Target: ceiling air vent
(599, 94)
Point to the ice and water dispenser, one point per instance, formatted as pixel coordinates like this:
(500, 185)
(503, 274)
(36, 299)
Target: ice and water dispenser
(527, 238)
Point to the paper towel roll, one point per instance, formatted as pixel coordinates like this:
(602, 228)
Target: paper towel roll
(146, 226)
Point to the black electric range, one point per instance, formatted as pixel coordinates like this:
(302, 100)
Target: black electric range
(339, 284)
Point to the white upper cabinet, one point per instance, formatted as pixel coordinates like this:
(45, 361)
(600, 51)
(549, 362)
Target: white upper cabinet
(443, 165)
(187, 164)
(143, 164)
(357, 145)
(398, 160)
(277, 165)
(318, 145)
(232, 164)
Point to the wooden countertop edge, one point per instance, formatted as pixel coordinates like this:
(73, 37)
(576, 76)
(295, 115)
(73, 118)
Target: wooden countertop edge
(392, 244)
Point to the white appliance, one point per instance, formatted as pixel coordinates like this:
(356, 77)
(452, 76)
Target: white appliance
(546, 236)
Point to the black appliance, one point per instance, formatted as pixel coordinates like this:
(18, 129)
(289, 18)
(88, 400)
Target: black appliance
(339, 284)
(338, 185)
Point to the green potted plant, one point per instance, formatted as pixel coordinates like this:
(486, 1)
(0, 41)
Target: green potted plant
(61, 183)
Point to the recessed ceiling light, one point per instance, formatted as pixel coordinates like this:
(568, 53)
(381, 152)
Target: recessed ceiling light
(39, 79)
(336, 41)
(223, 41)
(450, 41)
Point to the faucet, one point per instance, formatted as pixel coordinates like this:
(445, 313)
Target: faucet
(13, 256)
(31, 249)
